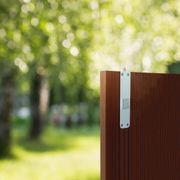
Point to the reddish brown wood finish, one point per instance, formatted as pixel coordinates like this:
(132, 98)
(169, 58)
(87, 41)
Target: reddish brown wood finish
(150, 148)
(114, 141)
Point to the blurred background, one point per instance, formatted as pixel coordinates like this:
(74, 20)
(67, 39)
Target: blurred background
(51, 53)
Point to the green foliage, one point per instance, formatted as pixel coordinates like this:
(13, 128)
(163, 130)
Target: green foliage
(20, 123)
(174, 68)
(69, 41)
(52, 38)
(138, 35)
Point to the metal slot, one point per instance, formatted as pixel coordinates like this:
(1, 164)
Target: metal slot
(125, 99)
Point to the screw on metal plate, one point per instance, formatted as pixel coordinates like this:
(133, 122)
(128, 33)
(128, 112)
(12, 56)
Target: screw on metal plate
(125, 92)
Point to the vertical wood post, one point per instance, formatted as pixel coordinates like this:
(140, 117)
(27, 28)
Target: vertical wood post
(114, 141)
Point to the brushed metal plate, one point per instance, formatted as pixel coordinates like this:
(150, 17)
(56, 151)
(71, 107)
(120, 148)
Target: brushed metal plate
(125, 93)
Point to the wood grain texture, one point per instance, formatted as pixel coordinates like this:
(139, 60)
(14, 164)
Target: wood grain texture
(154, 136)
(150, 148)
(114, 141)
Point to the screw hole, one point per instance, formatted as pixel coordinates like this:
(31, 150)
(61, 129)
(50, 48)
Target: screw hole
(121, 125)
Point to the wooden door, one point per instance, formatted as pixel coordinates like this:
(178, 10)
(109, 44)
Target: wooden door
(150, 148)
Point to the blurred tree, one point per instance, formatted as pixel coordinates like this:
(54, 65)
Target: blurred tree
(6, 92)
(66, 43)
(57, 39)
(35, 101)
(10, 45)
(70, 77)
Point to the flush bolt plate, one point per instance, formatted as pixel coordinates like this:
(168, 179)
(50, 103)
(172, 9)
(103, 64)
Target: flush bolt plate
(125, 93)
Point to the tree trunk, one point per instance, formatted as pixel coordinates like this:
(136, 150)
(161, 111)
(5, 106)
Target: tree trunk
(7, 88)
(36, 117)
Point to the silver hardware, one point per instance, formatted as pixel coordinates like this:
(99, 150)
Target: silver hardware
(125, 93)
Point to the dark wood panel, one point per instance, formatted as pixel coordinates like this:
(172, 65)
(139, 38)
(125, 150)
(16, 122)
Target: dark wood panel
(114, 141)
(150, 148)
(154, 135)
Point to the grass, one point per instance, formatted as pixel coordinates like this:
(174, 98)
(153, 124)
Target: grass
(59, 155)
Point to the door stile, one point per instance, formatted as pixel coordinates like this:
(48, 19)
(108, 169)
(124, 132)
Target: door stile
(114, 140)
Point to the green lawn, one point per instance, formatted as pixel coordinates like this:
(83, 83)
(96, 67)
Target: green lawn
(59, 155)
